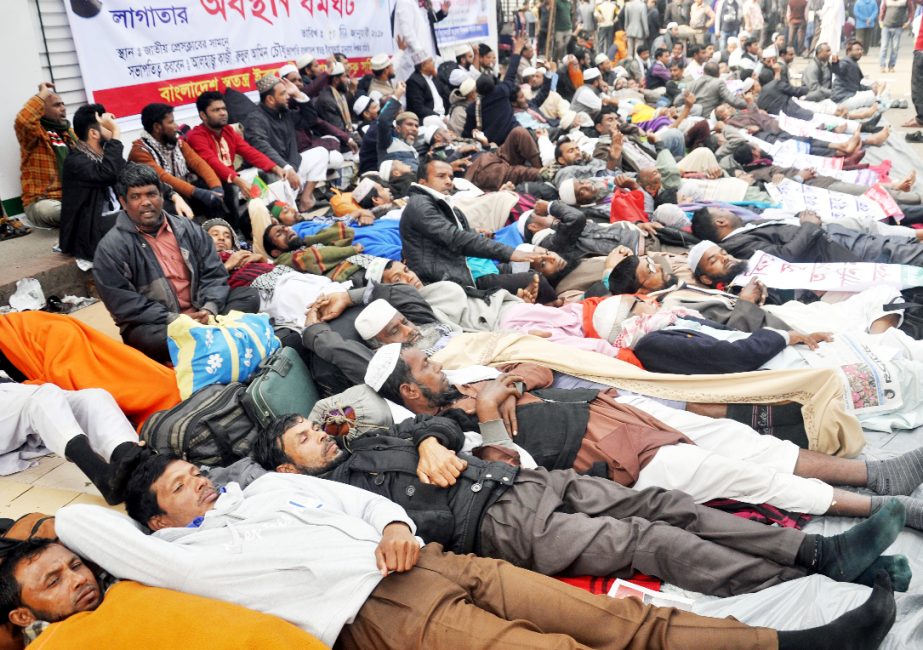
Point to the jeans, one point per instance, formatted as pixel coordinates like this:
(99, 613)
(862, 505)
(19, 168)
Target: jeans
(890, 44)
(796, 37)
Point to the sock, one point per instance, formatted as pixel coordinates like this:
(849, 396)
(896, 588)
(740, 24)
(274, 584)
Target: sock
(78, 451)
(125, 458)
(899, 475)
(896, 566)
(913, 507)
(863, 627)
(845, 556)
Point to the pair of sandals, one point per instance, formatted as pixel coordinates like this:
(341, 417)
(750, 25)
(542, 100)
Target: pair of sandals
(899, 103)
(916, 137)
(11, 228)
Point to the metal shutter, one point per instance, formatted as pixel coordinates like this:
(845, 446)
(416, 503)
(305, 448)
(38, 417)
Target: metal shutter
(58, 53)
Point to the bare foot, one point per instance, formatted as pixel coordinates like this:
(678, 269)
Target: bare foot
(306, 202)
(530, 293)
(878, 139)
(840, 129)
(907, 184)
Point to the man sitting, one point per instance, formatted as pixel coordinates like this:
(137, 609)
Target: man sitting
(568, 533)
(176, 162)
(848, 89)
(45, 140)
(271, 129)
(344, 565)
(53, 599)
(396, 134)
(152, 267)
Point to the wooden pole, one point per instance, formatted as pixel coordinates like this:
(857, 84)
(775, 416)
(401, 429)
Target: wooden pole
(549, 37)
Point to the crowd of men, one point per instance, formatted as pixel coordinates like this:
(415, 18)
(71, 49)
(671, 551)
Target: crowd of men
(549, 375)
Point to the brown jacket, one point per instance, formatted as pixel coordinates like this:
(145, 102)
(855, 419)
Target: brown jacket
(194, 162)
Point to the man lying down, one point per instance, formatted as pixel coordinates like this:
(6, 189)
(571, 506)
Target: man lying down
(344, 564)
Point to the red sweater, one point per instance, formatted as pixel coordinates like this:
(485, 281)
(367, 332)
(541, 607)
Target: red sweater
(221, 159)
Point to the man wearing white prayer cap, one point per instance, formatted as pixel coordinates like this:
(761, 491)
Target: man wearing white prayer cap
(289, 72)
(365, 108)
(308, 67)
(382, 74)
(382, 365)
(697, 252)
(464, 57)
(589, 98)
(379, 313)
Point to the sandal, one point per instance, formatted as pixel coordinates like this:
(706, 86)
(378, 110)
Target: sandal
(11, 228)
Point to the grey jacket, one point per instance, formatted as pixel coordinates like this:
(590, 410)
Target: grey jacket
(132, 284)
(818, 79)
(710, 92)
(273, 133)
(635, 12)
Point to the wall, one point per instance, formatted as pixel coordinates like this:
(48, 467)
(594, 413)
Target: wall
(22, 74)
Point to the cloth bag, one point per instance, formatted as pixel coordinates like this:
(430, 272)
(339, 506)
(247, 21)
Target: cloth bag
(627, 206)
(229, 349)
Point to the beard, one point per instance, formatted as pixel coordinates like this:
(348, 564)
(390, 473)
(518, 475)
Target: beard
(170, 141)
(329, 466)
(738, 267)
(441, 399)
(401, 185)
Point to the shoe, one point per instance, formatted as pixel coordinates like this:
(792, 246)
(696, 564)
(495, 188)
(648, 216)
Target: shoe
(916, 136)
(11, 228)
(869, 125)
(891, 71)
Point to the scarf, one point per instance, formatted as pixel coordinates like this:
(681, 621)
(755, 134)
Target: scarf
(61, 139)
(170, 157)
(634, 328)
(344, 109)
(82, 147)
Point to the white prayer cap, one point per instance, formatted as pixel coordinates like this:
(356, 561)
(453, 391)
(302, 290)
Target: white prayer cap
(567, 119)
(541, 70)
(567, 192)
(428, 132)
(362, 190)
(526, 248)
(610, 314)
(433, 120)
(419, 56)
(380, 62)
(672, 26)
(362, 102)
(288, 68)
(540, 236)
(375, 272)
(338, 69)
(734, 40)
(462, 50)
(458, 76)
(770, 52)
(373, 318)
(304, 60)
(600, 59)
(590, 74)
(696, 253)
(467, 86)
(382, 365)
(384, 169)
(521, 222)
(528, 72)
(375, 96)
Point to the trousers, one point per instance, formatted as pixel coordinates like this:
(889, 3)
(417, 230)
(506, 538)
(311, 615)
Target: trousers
(462, 602)
(565, 522)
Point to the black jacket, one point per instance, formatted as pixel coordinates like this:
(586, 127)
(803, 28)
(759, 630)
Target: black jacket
(777, 97)
(805, 243)
(385, 463)
(419, 96)
(131, 282)
(847, 80)
(274, 134)
(327, 108)
(437, 239)
(690, 352)
(86, 188)
(497, 119)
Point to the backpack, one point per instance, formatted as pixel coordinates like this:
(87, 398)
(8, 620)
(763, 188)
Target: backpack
(211, 427)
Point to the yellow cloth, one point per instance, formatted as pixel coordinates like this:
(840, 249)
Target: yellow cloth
(643, 113)
(133, 615)
(830, 428)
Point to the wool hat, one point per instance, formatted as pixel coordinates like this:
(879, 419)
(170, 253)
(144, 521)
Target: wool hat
(384, 170)
(380, 62)
(218, 221)
(610, 314)
(382, 365)
(696, 253)
(373, 318)
(287, 69)
(374, 271)
(567, 192)
(362, 190)
(362, 102)
(467, 87)
(266, 83)
(304, 60)
(600, 59)
(590, 74)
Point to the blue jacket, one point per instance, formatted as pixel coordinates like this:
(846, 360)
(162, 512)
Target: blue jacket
(865, 13)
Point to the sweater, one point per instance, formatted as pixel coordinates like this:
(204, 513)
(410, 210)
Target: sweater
(294, 546)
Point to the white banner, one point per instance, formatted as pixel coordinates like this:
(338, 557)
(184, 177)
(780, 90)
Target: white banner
(469, 21)
(835, 276)
(134, 53)
(831, 206)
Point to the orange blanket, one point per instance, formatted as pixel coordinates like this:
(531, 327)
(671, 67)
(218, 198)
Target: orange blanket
(135, 616)
(56, 349)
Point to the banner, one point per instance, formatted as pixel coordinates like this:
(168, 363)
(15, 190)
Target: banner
(852, 277)
(135, 53)
(832, 206)
(469, 21)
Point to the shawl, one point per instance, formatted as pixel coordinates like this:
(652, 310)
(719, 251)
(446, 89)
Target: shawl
(830, 428)
(169, 157)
